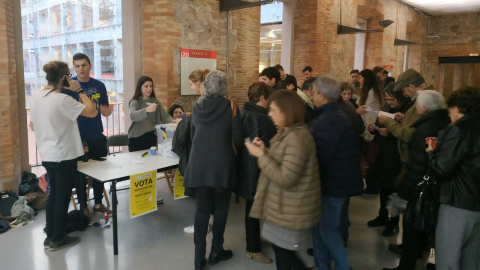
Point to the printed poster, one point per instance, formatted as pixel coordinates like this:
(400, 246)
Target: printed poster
(143, 193)
(178, 188)
(191, 60)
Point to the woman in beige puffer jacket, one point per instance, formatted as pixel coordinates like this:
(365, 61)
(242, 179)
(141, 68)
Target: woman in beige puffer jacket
(288, 195)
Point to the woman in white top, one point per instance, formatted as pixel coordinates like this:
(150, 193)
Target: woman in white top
(370, 99)
(54, 120)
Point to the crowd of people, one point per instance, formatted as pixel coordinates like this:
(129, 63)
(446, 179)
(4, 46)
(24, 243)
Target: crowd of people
(295, 154)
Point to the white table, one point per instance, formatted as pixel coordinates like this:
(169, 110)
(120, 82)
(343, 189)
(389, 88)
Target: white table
(119, 167)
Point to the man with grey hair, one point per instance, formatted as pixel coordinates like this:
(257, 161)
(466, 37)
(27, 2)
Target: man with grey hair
(339, 165)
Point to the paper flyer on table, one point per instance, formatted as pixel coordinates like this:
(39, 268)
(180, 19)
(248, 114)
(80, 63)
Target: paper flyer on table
(143, 193)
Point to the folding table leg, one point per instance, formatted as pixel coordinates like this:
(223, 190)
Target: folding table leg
(115, 232)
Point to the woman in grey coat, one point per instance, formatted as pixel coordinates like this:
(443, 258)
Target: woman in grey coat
(211, 169)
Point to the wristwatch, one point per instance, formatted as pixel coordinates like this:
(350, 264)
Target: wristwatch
(80, 91)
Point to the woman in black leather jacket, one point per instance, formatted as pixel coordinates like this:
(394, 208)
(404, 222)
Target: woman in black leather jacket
(456, 163)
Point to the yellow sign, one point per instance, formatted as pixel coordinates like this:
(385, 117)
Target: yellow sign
(178, 188)
(143, 193)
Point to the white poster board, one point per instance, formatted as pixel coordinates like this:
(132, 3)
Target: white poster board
(191, 60)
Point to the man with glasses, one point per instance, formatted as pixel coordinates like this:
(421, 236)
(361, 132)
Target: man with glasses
(91, 129)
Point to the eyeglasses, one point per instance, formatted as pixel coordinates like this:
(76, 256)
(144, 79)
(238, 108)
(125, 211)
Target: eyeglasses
(389, 99)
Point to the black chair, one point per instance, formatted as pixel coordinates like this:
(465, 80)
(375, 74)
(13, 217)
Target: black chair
(117, 140)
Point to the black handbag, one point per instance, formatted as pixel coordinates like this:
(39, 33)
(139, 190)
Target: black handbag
(422, 208)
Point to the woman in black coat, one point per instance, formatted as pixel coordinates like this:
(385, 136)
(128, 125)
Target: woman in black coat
(211, 169)
(388, 165)
(434, 117)
(256, 123)
(456, 163)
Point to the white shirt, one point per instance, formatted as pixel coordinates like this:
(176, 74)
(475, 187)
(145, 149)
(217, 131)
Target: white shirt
(371, 116)
(54, 118)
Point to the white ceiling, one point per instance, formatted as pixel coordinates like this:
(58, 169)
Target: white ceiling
(440, 7)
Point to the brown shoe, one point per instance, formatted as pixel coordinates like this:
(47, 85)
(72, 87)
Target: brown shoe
(86, 212)
(100, 208)
(259, 257)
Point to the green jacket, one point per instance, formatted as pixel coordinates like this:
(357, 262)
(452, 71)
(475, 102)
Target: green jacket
(403, 131)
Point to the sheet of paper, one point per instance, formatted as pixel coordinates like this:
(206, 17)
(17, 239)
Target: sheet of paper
(390, 115)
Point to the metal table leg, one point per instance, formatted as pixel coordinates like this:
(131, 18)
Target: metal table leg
(115, 231)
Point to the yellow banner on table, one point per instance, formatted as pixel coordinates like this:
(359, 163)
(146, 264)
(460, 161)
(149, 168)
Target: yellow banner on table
(178, 188)
(143, 193)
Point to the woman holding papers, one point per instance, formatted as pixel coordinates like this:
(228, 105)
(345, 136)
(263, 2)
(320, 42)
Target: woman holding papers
(146, 112)
(370, 99)
(388, 165)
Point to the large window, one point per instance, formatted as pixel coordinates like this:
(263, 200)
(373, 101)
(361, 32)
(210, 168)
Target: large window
(57, 30)
(271, 35)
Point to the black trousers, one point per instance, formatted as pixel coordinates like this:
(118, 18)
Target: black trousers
(252, 230)
(96, 149)
(383, 212)
(61, 177)
(413, 242)
(208, 199)
(143, 142)
(287, 259)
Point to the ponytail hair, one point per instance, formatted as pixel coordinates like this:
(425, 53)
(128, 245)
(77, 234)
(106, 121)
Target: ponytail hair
(55, 70)
(199, 75)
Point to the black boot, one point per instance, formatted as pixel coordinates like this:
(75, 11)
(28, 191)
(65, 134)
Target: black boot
(200, 265)
(377, 222)
(223, 255)
(391, 228)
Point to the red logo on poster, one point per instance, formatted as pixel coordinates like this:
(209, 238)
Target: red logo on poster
(388, 66)
(190, 53)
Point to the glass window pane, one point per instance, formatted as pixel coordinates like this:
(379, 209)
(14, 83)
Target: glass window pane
(57, 30)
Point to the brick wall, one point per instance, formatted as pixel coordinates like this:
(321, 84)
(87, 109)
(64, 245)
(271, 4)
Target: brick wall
(168, 24)
(317, 44)
(10, 160)
(459, 36)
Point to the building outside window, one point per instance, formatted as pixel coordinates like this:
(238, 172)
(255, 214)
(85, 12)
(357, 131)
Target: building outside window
(271, 35)
(56, 30)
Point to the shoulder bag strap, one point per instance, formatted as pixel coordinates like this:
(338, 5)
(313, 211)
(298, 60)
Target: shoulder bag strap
(234, 106)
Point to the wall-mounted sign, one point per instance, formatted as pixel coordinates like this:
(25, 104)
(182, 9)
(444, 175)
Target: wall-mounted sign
(194, 59)
(388, 67)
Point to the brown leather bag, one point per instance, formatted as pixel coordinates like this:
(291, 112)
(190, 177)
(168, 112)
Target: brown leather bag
(234, 106)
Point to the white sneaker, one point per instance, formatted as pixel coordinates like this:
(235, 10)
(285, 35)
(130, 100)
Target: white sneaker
(189, 229)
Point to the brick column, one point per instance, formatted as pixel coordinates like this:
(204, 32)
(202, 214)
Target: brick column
(160, 36)
(10, 159)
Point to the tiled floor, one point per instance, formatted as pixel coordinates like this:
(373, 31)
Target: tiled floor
(157, 241)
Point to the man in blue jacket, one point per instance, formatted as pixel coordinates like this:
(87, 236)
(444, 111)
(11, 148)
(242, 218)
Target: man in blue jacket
(339, 164)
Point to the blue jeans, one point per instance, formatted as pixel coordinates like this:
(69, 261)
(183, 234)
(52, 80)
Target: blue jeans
(330, 233)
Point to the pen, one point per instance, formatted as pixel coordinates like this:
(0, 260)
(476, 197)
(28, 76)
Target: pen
(145, 154)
